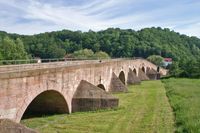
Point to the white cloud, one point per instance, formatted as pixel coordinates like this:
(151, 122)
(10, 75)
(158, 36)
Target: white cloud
(191, 30)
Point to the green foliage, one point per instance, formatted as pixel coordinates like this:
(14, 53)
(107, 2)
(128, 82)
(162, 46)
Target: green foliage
(12, 50)
(89, 54)
(101, 55)
(20, 50)
(191, 68)
(174, 69)
(156, 59)
(114, 42)
(54, 52)
(1, 57)
(184, 97)
(186, 68)
(84, 54)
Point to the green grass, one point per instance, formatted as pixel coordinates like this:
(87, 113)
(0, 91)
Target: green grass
(184, 97)
(145, 108)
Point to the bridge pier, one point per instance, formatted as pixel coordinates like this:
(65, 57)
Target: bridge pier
(117, 85)
(142, 75)
(89, 97)
(153, 74)
(132, 78)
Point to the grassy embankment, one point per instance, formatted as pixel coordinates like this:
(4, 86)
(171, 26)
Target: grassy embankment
(144, 108)
(184, 97)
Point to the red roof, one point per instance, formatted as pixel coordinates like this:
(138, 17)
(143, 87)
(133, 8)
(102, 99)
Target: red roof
(168, 59)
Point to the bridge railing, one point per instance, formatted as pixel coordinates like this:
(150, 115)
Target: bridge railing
(22, 67)
(50, 63)
(34, 61)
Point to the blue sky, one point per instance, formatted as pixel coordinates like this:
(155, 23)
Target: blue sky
(36, 16)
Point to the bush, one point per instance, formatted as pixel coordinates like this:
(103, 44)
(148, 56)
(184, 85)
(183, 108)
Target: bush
(156, 59)
(84, 54)
(101, 55)
(89, 54)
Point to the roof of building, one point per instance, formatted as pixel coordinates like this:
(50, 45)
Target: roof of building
(168, 59)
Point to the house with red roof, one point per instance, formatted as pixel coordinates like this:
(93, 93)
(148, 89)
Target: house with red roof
(167, 61)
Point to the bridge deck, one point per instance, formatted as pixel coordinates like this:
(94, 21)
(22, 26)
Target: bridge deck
(25, 67)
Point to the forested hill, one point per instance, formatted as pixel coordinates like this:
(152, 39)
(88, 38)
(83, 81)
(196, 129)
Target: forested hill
(115, 42)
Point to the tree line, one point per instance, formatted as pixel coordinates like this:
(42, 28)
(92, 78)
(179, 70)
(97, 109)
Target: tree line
(113, 42)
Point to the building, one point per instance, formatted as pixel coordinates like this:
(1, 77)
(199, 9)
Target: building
(167, 61)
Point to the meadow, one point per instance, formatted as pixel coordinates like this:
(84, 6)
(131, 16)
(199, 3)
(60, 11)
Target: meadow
(184, 97)
(145, 108)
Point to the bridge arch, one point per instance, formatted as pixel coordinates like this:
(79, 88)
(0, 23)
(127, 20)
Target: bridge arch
(101, 86)
(135, 71)
(143, 69)
(158, 69)
(122, 77)
(46, 103)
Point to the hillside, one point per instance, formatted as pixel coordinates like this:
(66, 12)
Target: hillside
(115, 42)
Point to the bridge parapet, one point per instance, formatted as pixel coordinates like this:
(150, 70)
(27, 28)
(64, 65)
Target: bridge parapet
(32, 66)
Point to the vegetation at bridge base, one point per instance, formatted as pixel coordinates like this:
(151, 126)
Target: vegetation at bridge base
(184, 97)
(144, 109)
(186, 68)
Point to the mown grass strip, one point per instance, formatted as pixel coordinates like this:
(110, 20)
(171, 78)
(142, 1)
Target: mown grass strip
(144, 108)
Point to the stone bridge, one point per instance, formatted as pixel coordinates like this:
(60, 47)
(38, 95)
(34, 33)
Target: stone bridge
(52, 86)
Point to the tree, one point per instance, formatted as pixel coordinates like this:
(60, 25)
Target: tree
(191, 69)
(12, 50)
(1, 58)
(84, 54)
(175, 70)
(22, 54)
(156, 59)
(102, 55)
(55, 52)
(89, 54)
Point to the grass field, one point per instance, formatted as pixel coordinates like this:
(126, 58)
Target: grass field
(184, 97)
(144, 109)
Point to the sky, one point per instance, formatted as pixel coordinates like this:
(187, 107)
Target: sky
(37, 16)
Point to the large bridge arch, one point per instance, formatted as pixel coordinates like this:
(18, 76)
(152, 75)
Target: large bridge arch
(45, 103)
